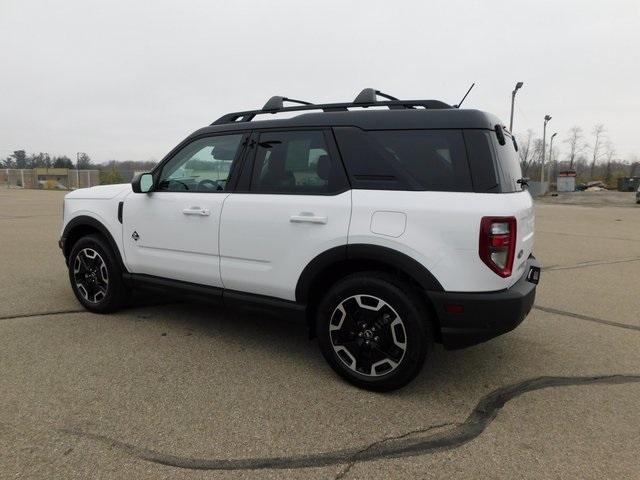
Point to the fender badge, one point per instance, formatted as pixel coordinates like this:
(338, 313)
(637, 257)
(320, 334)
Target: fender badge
(135, 236)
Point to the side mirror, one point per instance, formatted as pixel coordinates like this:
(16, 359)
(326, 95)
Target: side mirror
(142, 183)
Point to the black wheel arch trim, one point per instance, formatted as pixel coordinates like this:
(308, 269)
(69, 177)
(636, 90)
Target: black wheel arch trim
(86, 221)
(364, 252)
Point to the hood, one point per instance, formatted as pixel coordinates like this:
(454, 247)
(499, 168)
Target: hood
(99, 192)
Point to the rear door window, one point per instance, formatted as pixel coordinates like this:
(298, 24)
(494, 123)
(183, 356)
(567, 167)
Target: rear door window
(296, 162)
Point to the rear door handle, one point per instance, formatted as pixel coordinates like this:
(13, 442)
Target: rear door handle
(204, 212)
(305, 217)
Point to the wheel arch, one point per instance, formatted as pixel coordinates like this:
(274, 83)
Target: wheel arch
(82, 226)
(338, 261)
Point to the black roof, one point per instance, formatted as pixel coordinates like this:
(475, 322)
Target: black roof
(396, 114)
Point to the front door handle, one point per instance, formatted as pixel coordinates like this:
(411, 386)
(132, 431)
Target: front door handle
(307, 217)
(204, 212)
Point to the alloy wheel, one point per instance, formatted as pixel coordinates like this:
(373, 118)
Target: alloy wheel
(91, 275)
(368, 335)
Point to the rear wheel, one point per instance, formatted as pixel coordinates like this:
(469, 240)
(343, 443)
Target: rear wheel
(95, 275)
(374, 331)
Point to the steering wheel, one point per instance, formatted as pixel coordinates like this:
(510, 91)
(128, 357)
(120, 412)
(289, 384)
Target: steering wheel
(208, 184)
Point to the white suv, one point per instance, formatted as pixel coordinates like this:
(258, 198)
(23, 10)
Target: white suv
(386, 228)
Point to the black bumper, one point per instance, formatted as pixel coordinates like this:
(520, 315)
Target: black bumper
(470, 318)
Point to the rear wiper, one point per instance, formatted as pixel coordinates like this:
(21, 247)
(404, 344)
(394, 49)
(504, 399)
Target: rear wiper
(524, 181)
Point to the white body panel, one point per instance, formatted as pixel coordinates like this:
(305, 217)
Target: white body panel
(99, 203)
(177, 235)
(266, 240)
(442, 231)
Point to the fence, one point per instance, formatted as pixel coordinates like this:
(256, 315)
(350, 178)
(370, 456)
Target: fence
(49, 178)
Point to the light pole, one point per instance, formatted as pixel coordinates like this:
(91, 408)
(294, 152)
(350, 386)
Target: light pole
(544, 147)
(513, 99)
(551, 155)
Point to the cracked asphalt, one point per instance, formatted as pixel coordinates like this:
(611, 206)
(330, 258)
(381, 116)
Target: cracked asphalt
(181, 391)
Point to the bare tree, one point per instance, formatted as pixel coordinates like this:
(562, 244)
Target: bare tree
(526, 151)
(609, 153)
(598, 138)
(576, 144)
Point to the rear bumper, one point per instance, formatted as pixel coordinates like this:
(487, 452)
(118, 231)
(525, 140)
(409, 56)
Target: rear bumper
(470, 318)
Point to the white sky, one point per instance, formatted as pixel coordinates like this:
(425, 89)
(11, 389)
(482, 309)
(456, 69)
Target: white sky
(127, 80)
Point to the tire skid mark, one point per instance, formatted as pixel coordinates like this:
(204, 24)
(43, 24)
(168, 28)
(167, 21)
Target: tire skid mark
(579, 316)
(413, 443)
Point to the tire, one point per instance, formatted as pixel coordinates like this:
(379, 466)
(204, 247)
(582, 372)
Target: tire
(95, 275)
(380, 309)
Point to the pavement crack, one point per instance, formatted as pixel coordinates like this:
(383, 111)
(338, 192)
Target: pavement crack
(355, 458)
(588, 318)
(594, 263)
(41, 314)
(410, 444)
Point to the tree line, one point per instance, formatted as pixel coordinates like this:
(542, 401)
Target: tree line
(592, 155)
(20, 159)
(112, 171)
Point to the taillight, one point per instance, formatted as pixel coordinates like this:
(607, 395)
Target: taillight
(498, 243)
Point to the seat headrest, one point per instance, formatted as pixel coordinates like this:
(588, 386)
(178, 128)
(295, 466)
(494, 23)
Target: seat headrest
(323, 167)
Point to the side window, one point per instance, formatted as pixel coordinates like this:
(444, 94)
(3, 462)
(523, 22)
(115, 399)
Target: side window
(201, 166)
(296, 162)
(433, 160)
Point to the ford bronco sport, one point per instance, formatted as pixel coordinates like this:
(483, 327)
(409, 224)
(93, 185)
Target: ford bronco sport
(387, 224)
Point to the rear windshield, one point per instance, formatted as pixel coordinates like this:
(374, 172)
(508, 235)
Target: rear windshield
(494, 167)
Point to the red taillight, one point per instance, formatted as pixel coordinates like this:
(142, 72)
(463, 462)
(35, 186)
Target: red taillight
(498, 243)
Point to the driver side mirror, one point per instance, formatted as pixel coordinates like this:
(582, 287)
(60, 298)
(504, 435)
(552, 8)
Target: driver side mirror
(142, 183)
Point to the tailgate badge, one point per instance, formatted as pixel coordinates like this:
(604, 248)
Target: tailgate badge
(135, 236)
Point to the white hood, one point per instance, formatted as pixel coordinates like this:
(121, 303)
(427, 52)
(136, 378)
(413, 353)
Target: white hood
(100, 192)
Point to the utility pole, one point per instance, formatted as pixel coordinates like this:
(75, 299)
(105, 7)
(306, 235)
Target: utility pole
(513, 99)
(544, 147)
(551, 155)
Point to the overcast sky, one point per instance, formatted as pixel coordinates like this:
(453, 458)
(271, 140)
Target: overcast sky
(128, 80)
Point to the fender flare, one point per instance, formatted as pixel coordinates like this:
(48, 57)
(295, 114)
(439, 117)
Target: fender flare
(364, 252)
(87, 221)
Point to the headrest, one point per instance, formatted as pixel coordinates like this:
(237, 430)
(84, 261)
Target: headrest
(323, 167)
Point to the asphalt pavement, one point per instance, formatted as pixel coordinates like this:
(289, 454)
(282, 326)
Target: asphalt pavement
(182, 390)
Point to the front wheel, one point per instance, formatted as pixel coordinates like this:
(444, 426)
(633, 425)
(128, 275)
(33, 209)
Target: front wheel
(95, 275)
(374, 331)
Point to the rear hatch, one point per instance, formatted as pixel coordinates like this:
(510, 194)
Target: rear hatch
(510, 178)
(495, 168)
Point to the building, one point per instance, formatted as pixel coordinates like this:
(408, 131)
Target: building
(566, 181)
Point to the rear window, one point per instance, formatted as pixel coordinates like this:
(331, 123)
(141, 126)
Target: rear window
(508, 165)
(432, 160)
(494, 168)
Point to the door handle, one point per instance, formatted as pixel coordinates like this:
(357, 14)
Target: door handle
(307, 217)
(204, 212)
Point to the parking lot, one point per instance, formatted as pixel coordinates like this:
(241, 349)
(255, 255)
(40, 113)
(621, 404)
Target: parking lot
(179, 390)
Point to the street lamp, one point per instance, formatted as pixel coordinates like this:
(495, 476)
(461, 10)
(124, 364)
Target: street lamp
(544, 147)
(551, 155)
(513, 98)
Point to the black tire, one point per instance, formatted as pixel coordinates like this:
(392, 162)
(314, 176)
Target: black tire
(359, 295)
(110, 295)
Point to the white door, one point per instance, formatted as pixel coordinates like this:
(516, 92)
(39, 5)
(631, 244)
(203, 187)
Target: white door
(172, 232)
(297, 204)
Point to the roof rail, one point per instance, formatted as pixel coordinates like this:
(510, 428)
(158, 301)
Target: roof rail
(277, 103)
(366, 98)
(369, 95)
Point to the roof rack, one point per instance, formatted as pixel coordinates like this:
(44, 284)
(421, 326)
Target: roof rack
(366, 98)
